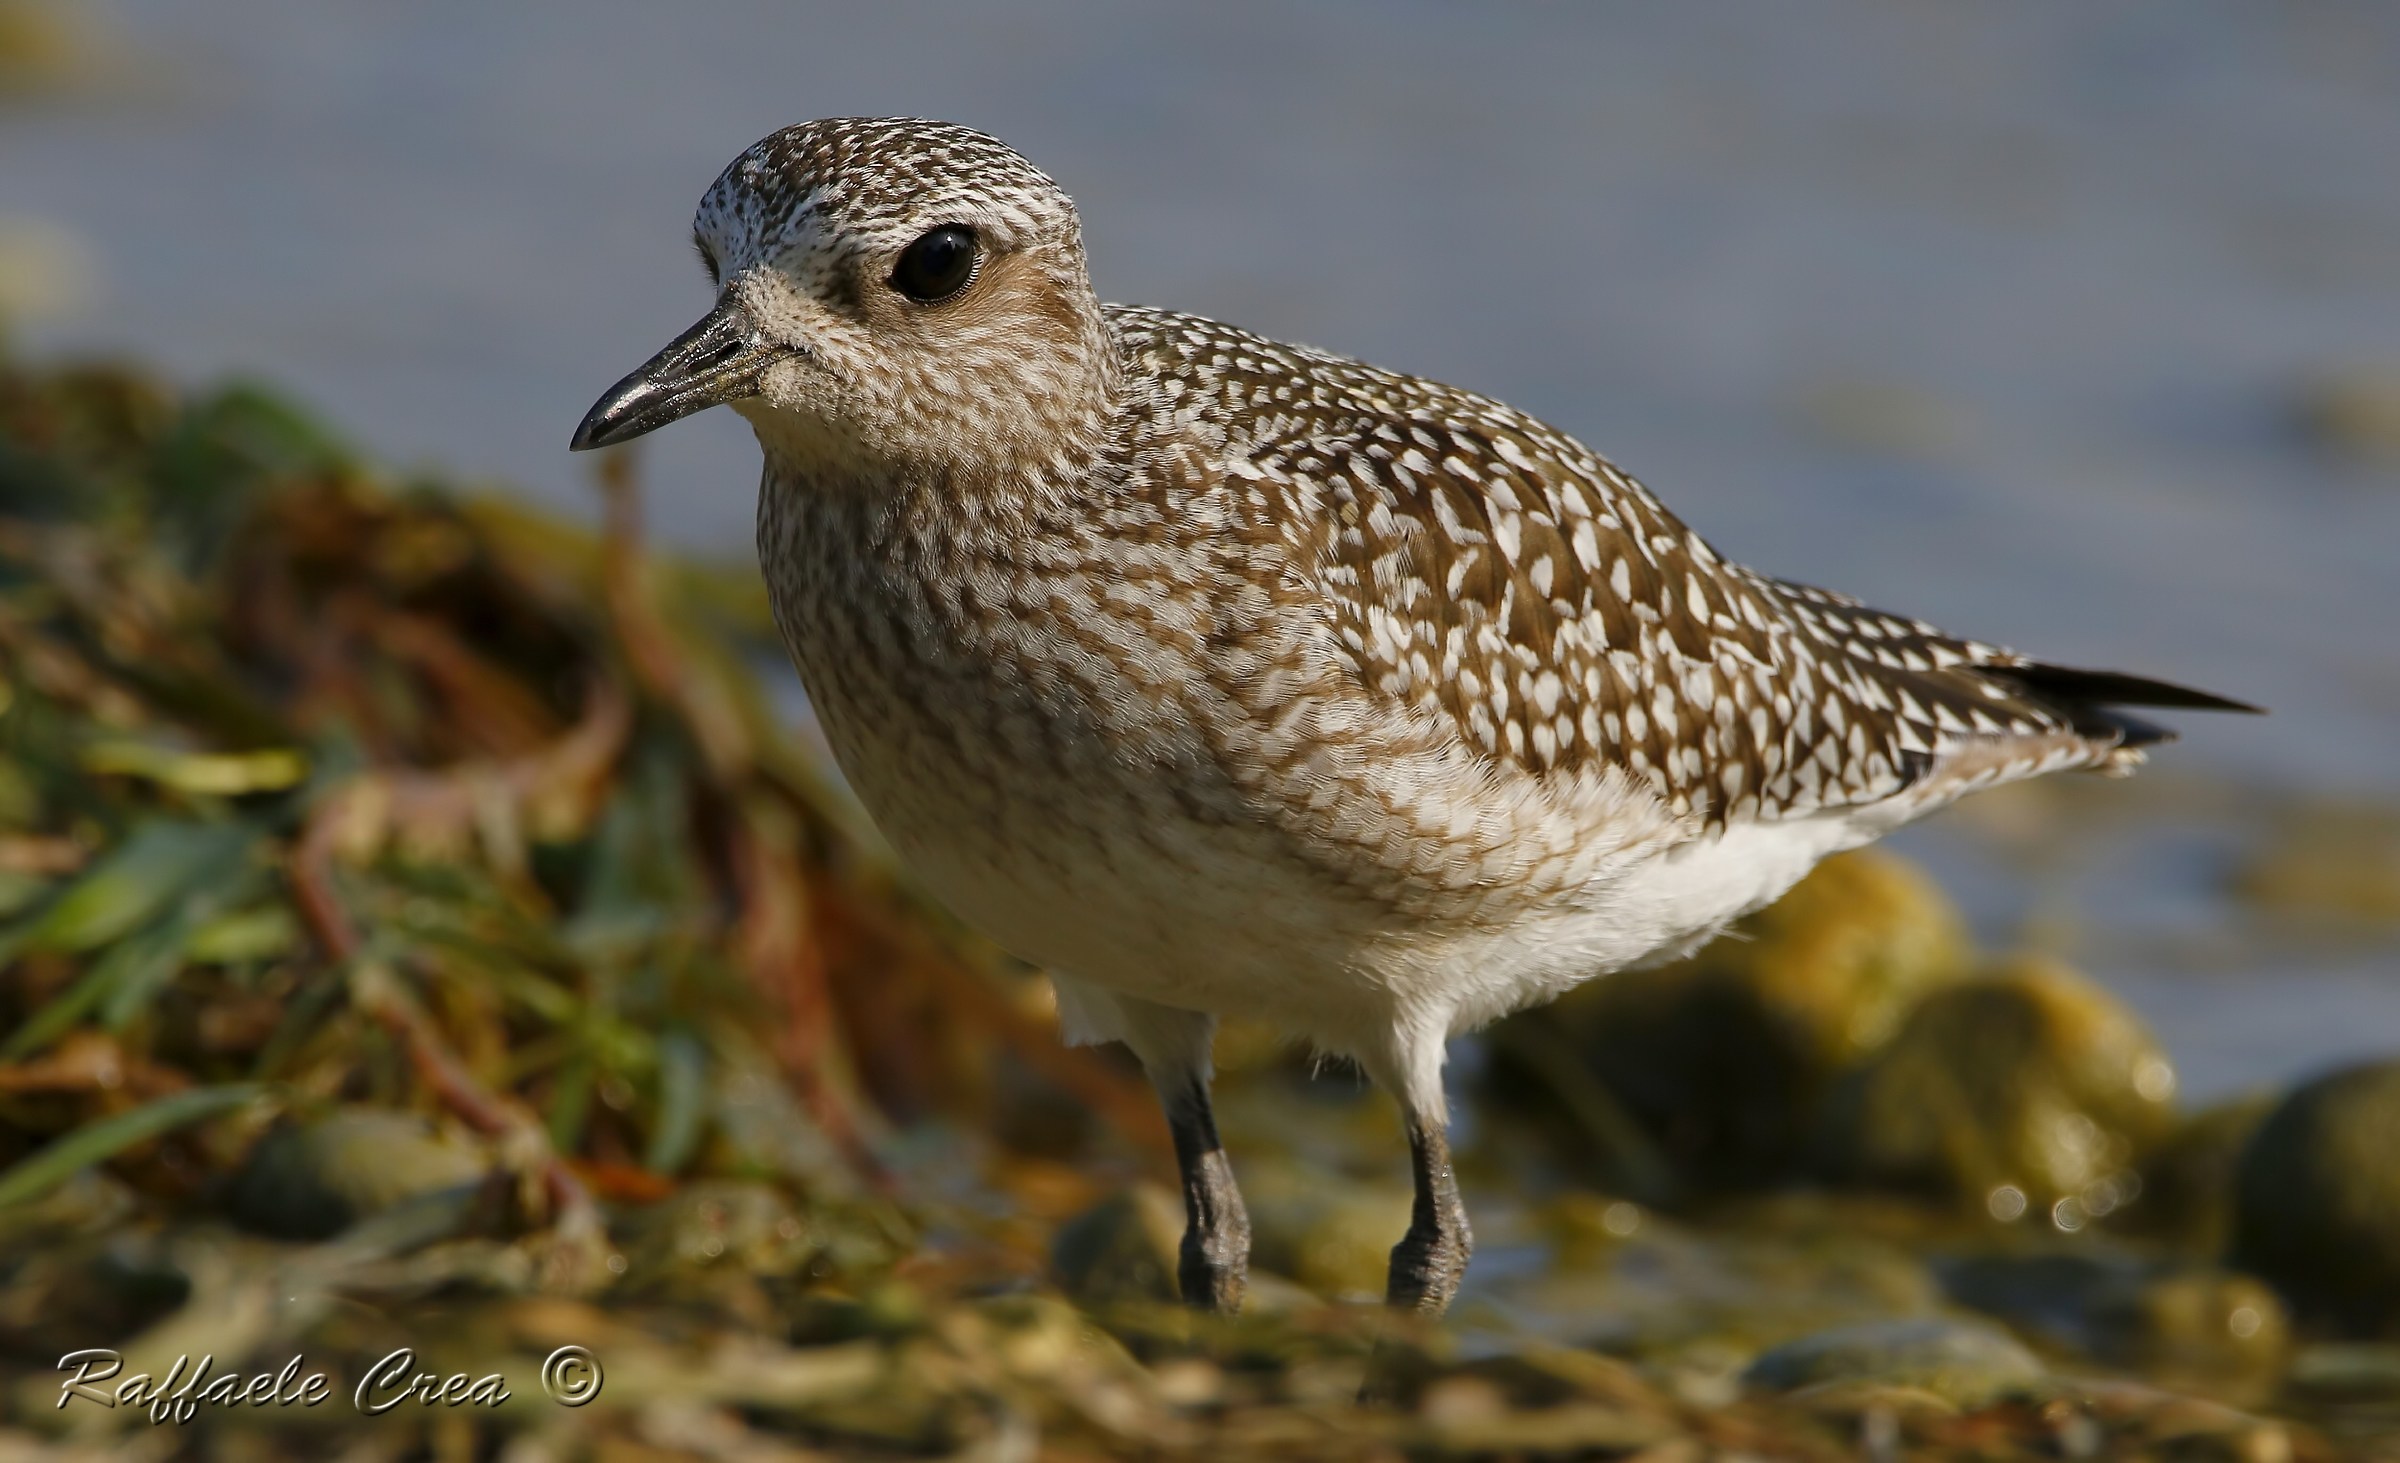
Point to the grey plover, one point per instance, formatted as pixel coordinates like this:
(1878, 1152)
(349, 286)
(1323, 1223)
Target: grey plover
(1225, 677)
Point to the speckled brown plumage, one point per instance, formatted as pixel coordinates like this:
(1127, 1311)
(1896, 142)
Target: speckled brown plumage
(1224, 676)
(1479, 564)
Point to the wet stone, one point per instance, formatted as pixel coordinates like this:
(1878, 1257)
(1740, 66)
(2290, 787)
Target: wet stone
(2025, 1093)
(1345, 1249)
(2163, 1318)
(1865, 1400)
(313, 1178)
(1698, 1302)
(1333, 1235)
(1720, 1061)
(1124, 1249)
(2193, 1320)
(2187, 1178)
(2317, 1199)
(1965, 1363)
(2349, 1371)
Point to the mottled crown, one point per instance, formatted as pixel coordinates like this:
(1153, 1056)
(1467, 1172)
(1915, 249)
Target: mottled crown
(884, 179)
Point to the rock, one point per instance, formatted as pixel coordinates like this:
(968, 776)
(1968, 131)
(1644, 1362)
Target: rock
(1345, 1250)
(1124, 1249)
(1586, 1230)
(2317, 1199)
(2046, 1296)
(1965, 1363)
(2187, 1178)
(1717, 1063)
(2348, 1372)
(1332, 1233)
(2190, 1321)
(2024, 1092)
(1696, 1303)
(1336, 1243)
(313, 1178)
(1862, 1402)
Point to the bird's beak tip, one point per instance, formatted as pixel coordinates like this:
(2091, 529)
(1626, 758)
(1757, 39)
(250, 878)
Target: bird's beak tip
(592, 431)
(716, 361)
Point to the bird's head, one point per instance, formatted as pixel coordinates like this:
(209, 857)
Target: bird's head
(889, 292)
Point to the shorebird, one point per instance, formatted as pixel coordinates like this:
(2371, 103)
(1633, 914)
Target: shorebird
(1219, 676)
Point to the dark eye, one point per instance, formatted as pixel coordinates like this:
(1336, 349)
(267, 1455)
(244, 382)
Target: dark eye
(937, 266)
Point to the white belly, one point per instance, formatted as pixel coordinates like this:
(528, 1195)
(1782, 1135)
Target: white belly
(1654, 909)
(1106, 884)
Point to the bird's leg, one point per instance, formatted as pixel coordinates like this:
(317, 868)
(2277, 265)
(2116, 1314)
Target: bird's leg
(1431, 1258)
(1215, 1262)
(1214, 1266)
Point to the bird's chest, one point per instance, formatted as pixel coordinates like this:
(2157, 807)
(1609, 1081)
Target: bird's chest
(937, 678)
(1029, 749)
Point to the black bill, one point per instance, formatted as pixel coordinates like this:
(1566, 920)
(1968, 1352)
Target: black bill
(716, 361)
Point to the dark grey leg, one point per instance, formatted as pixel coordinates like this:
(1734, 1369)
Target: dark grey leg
(1429, 1262)
(1215, 1264)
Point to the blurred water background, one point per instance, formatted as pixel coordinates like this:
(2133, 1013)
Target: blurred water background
(2074, 326)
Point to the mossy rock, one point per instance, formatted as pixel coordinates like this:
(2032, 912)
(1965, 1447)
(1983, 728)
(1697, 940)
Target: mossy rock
(1124, 1249)
(1965, 1363)
(1721, 1059)
(1345, 1249)
(1838, 961)
(2024, 1092)
(315, 1177)
(1331, 1233)
(2129, 1310)
(2317, 1199)
(2187, 1177)
(2191, 1319)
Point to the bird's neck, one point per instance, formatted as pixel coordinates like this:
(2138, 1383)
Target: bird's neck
(977, 474)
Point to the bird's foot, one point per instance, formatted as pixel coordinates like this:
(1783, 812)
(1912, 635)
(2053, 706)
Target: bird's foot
(1215, 1269)
(1214, 1266)
(1427, 1266)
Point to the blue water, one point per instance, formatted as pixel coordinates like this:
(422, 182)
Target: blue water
(2076, 260)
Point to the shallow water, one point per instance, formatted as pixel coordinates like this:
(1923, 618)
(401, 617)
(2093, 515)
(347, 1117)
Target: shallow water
(1996, 316)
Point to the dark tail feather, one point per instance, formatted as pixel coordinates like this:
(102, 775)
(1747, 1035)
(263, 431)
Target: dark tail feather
(2089, 699)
